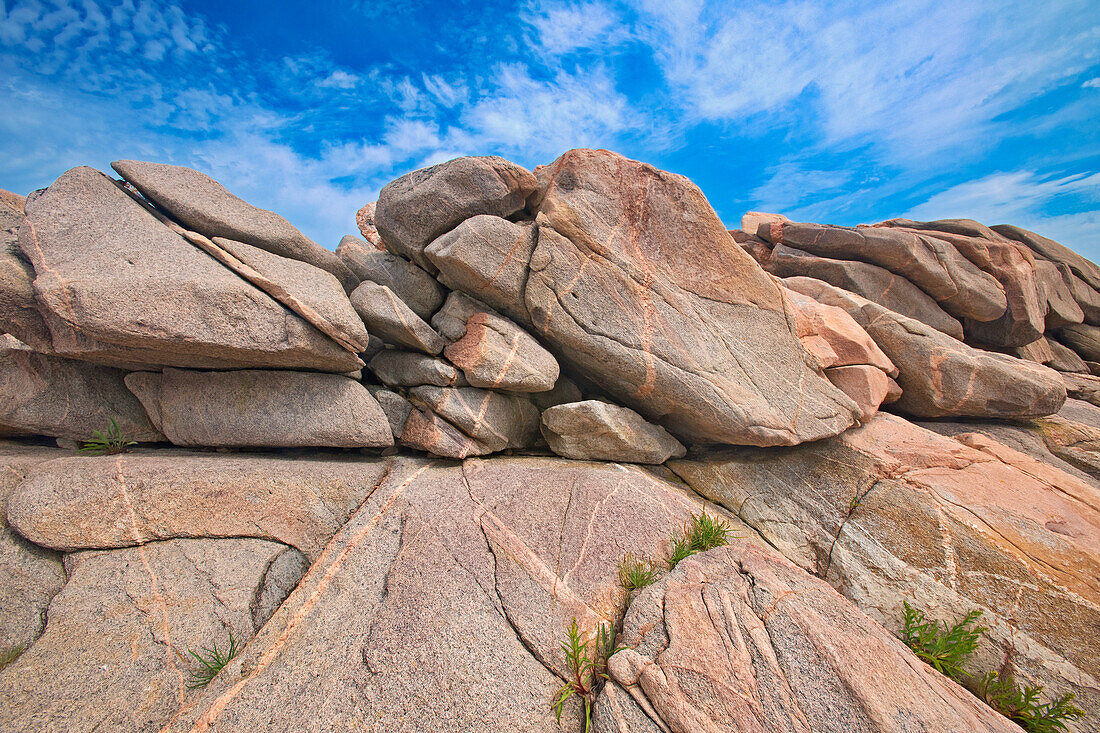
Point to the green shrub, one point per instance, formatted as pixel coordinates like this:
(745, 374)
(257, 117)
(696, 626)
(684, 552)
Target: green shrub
(943, 647)
(7, 656)
(587, 669)
(109, 442)
(210, 663)
(637, 572)
(1021, 705)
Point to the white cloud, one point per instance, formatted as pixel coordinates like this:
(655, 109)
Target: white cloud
(339, 79)
(562, 28)
(1093, 83)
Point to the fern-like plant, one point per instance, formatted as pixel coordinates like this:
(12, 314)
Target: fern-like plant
(703, 532)
(944, 648)
(637, 572)
(1021, 704)
(211, 661)
(108, 442)
(587, 669)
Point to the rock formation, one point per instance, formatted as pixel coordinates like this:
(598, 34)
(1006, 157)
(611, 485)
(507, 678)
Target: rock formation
(399, 475)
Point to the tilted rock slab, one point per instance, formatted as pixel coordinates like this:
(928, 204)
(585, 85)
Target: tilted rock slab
(931, 264)
(114, 655)
(493, 419)
(261, 408)
(448, 577)
(1085, 269)
(155, 298)
(200, 203)
(419, 290)
(19, 314)
(48, 395)
(739, 639)
(639, 287)
(397, 368)
(419, 206)
(871, 281)
(940, 376)
(387, 317)
(32, 575)
(892, 512)
(492, 351)
(598, 431)
(78, 502)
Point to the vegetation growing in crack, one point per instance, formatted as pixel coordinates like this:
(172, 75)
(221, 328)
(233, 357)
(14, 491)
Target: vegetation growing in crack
(587, 660)
(108, 442)
(701, 533)
(946, 648)
(211, 661)
(7, 656)
(637, 571)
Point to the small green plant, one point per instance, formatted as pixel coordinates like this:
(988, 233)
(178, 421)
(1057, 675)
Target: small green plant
(1021, 705)
(109, 442)
(588, 669)
(637, 572)
(7, 656)
(944, 648)
(211, 662)
(703, 532)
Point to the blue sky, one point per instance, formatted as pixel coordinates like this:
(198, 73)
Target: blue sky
(836, 112)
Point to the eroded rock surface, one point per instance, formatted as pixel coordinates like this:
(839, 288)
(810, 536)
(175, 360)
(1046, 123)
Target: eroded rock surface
(598, 431)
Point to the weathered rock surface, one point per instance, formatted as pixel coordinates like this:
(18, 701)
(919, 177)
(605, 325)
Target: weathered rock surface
(364, 219)
(1055, 286)
(12, 209)
(114, 655)
(419, 206)
(464, 573)
(75, 502)
(598, 431)
(200, 203)
(395, 406)
(891, 512)
(155, 298)
(426, 431)
(32, 575)
(830, 334)
(387, 317)
(269, 408)
(492, 351)
(19, 314)
(493, 419)
(416, 288)
(867, 386)
(48, 395)
(407, 369)
(941, 376)
(740, 639)
(1082, 338)
(935, 266)
(871, 281)
(1051, 250)
(636, 283)
(487, 258)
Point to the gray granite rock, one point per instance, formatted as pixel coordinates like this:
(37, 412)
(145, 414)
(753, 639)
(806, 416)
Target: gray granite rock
(599, 431)
(389, 318)
(416, 288)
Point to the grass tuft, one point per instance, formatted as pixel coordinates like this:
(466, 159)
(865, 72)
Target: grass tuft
(703, 532)
(587, 669)
(110, 442)
(637, 572)
(211, 662)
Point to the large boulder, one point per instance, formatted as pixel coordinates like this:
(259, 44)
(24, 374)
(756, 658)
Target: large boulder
(114, 655)
(200, 203)
(419, 206)
(487, 258)
(1082, 338)
(1085, 269)
(638, 286)
(19, 314)
(48, 395)
(598, 431)
(419, 290)
(77, 502)
(941, 376)
(891, 512)
(494, 420)
(261, 408)
(387, 317)
(492, 351)
(739, 639)
(933, 265)
(871, 281)
(447, 577)
(155, 299)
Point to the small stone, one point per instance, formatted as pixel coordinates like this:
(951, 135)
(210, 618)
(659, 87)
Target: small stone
(599, 431)
(389, 318)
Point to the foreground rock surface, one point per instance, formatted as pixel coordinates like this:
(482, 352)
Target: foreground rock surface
(739, 639)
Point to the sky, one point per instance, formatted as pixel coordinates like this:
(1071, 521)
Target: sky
(833, 112)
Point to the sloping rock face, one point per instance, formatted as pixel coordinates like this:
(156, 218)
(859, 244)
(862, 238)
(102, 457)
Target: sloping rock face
(740, 639)
(19, 314)
(155, 299)
(891, 512)
(204, 205)
(637, 285)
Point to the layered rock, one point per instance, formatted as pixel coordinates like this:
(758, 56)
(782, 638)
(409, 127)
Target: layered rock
(269, 408)
(416, 288)
(636, 284)
(155, 298)
(200, 203)
(388, 317)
